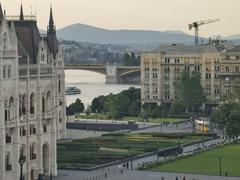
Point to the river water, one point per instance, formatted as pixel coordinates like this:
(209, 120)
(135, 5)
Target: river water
(91, 85)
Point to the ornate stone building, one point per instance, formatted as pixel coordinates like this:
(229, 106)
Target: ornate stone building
(219, 67)
(32, 97)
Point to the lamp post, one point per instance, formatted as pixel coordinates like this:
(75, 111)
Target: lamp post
(220, 165)
(21, 162)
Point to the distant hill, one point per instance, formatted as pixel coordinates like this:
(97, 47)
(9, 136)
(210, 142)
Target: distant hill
(86, 33)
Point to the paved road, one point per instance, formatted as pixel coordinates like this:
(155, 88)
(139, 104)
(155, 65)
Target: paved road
(137, 175)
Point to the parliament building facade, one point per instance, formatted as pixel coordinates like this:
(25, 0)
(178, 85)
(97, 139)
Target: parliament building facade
(32, 97)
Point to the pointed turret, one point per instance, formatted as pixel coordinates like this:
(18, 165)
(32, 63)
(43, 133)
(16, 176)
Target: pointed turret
(1, 13)
(21, 13)
(51, 35)
(51, 26)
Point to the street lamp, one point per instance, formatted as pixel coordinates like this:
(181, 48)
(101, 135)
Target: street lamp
(21, 162)
(220, 165)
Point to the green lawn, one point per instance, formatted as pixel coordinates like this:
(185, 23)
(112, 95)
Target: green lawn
(206, 162)
(95, 151)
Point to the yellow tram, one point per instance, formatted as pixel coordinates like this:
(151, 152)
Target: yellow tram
(202, 125)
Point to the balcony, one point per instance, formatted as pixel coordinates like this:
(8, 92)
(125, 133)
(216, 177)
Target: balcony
(9, 53)
(34, 70)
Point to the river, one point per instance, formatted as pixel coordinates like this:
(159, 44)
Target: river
(91, 85)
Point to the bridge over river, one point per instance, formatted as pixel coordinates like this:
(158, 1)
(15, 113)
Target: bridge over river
(114, 73)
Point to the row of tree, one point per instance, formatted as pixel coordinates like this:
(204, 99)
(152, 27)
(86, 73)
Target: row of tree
(227, 115)
(126, 103)
(131, 60)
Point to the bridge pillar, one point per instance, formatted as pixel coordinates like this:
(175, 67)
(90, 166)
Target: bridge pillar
(111, 73)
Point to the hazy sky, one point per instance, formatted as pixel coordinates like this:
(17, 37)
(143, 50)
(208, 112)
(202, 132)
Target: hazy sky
(136, 14)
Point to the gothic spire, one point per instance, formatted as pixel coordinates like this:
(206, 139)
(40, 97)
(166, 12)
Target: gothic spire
(51, 27)
(21, 13)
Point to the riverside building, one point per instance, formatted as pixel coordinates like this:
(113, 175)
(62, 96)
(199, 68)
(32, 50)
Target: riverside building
(32, 97)
(219, 66)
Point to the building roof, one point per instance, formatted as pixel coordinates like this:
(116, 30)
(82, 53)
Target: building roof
(28, 40)
(186, 49)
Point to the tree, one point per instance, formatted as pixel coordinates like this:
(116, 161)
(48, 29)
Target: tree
(157, 112)
(75, 108)
(98, 104)
(127, 59)
(135, 108)
(131, 60)
(227, 117)
(189, 90)
(177, 107)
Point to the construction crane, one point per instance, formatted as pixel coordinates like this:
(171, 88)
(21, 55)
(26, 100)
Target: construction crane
(199, 23)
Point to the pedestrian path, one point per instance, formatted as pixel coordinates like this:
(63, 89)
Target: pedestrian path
(136, 175)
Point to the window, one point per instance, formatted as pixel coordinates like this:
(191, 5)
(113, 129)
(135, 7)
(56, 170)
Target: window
(32, 174)
(227, 69)
(236, 69)
(23, 151)
(6, 110)
(32, 102)
(4, 71)
(33, 151)
(8, 138)
(237, 57)
(59, 85)
(43, 105)
(60, 116)
(8, 162)
(9, 72)
(32, 129)
(23, 131)
(48, 101)
(24, 103)
(44, 128)
(11, 112)
(20, 105)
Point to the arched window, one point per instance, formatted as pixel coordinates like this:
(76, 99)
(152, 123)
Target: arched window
(4, 72)
(11, 109)
(44, 128)
(20, 105)
(6, 117)
(48, 101)
(43, 105)
(9, 71)
(33, 151)
(32, 103)
(59, 85)
(8, 162)
(60, 116)
(24, 104)
(23, 151)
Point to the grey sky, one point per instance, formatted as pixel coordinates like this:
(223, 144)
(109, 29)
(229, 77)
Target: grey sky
(136, 14)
